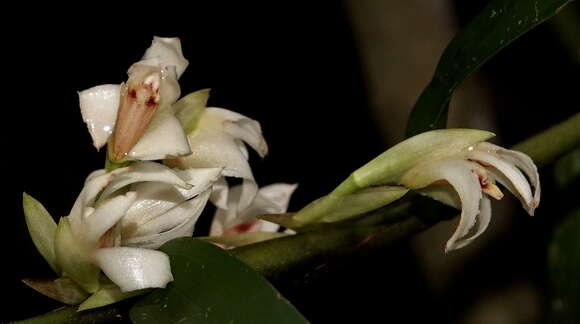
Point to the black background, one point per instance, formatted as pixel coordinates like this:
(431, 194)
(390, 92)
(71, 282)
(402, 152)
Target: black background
(293, 67)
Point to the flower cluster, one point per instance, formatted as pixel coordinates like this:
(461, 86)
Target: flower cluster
(168, 156)
(124, 213)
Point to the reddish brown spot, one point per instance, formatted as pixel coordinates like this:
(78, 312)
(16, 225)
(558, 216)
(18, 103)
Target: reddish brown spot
(133, 93)
(108, 239)
(151, 102)
(482, 180)
(242, 228)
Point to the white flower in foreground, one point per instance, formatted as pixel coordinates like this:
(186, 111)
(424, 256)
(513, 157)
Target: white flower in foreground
(468, 178)
(271, 199)
(137, 118)
(217, 139)
(121, 216)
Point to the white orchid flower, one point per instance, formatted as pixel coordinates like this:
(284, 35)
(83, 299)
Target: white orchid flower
(136, 118)
(271, 199)
(117, 221)
(231, 227)
(454, 166)
(217, 139)
(468, 178)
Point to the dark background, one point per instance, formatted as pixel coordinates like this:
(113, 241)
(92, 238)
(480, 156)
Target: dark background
(295, 68)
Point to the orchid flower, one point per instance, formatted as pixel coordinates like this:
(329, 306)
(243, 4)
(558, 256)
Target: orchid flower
(454, 166)
(243, 227)
(120, 217)
(217, 139)
(136, 118)
(468, 178)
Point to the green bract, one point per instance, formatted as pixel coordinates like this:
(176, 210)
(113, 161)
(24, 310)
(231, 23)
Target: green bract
(42, 229)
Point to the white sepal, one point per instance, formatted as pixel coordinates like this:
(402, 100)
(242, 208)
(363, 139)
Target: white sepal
(458, 173)
(105, 216)
(141, 172)
(99, 106)
(165, 138)
(134, 268)
(177, 222)
(166, 52)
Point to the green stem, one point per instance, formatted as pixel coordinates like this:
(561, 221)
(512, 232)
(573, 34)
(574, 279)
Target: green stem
(548, 145)
(117, 313)
(277, 256)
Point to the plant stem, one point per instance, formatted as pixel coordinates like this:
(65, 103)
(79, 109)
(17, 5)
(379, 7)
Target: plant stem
(116, 313)
(548, 145)
(276, 256)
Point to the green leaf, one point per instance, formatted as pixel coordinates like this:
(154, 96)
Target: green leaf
(500, 23)
(108, 294)
(564, 265)
(212, 287)
(72, 256)
(42, 229)
(63, 289)
(189, 108)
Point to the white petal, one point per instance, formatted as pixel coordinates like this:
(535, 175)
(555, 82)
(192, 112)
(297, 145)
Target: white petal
(164, 138)
(106, 216)
(482, 223)
(213, 148)
(94, 184)
(141, 172)
(278, 196)
(134, 268)
(157, 198)
(524, 163)
(265, 226)
(99, 107)
(272, 199)
(154, 199)
(219, 194)
(242, 127)
(178, 222)
(458, 173)
(217, 227)
(249, 189)
(226, 218)
(166, 52)
(200, 179)
(507, 174)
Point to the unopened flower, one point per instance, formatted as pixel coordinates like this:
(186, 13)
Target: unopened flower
(217, 139)
(136, 118)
